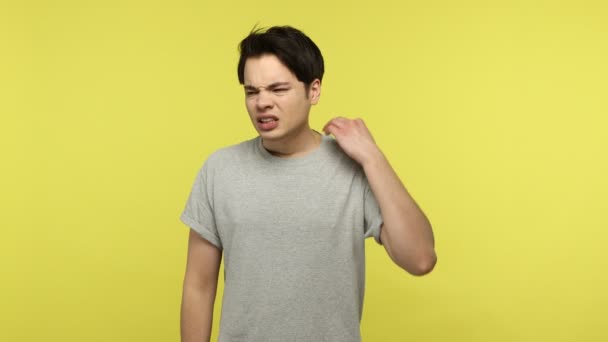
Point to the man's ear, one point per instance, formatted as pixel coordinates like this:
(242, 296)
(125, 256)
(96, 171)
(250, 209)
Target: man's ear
(314, 91)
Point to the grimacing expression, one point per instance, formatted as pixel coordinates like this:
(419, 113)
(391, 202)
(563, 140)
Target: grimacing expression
(272, 89)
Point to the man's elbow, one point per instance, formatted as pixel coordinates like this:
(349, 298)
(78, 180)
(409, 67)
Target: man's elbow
(424, 265)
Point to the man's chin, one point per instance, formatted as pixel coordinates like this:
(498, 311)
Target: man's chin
(275, 134)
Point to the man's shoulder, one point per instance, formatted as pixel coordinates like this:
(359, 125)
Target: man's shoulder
(234, 153)
(338, 156)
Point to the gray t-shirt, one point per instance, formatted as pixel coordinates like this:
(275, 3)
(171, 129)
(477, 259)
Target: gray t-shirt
(292, 232)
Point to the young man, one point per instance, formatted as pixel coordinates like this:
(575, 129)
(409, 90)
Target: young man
(290, 209)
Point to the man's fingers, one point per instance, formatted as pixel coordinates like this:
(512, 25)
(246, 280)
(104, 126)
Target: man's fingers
(330, 128)
(339, 121)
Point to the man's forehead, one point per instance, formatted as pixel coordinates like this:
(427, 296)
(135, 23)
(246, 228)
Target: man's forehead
(266, 69)
(266, 78)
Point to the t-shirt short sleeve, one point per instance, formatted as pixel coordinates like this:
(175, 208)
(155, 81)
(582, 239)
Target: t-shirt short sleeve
(198, 212)
(373, 218)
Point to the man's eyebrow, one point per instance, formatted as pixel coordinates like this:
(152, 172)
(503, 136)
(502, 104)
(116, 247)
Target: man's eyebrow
(270, 86)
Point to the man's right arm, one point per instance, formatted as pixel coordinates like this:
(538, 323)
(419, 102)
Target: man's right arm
(199, 289)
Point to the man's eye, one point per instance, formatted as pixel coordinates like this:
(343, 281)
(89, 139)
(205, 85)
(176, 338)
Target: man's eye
(249, 93)
(280, 90)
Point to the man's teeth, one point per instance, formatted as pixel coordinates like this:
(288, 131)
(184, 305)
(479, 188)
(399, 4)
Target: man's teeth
(267, 119)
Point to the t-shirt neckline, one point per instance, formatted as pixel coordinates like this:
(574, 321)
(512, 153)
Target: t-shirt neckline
(293, 160)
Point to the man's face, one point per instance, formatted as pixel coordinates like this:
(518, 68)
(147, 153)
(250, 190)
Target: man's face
(272, 90)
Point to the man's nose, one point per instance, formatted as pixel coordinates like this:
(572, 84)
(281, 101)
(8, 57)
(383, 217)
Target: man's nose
(264, 99)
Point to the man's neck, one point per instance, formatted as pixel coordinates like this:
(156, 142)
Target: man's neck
(294, 146)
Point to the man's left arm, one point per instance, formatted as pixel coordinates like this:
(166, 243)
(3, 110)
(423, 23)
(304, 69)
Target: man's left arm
(406, 233)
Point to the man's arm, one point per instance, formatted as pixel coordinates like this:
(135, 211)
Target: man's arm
(199, 289)
(406, 233)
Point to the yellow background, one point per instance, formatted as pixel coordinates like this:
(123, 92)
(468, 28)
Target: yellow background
(494, 114)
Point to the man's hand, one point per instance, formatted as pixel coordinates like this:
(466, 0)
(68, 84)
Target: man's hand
(354, 138)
